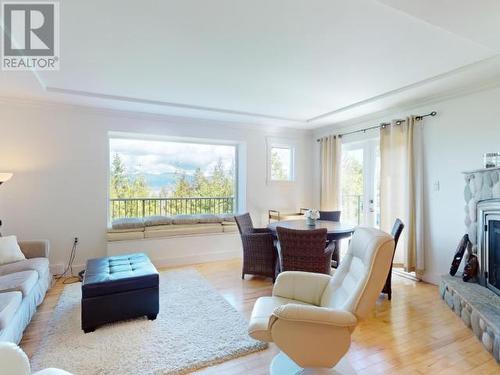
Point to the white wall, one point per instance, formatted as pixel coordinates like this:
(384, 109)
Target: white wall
(454, 141)
(59, 156)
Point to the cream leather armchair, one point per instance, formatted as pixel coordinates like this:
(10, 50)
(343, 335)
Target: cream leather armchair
(310, 317)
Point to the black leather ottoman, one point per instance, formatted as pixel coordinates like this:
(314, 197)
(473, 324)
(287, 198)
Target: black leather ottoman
(117, 288)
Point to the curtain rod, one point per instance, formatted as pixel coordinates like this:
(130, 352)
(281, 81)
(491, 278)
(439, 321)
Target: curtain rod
(384, 124)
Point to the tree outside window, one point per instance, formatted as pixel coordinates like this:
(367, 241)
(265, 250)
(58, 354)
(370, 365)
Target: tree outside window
(150, 178)
(280, 163)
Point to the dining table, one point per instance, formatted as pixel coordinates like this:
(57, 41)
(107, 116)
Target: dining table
(336, 230)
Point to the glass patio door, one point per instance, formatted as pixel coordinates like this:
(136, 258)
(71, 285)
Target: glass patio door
(360, 182)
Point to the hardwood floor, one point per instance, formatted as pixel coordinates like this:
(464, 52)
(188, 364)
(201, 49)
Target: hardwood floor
(415, 333)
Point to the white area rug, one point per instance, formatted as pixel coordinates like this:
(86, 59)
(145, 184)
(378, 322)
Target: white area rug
(196, 327)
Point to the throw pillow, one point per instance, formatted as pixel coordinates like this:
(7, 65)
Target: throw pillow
(10, 250)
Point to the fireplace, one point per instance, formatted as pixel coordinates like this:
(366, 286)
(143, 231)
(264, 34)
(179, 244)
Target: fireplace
(478, 304)
(492, 252)
(488, 243)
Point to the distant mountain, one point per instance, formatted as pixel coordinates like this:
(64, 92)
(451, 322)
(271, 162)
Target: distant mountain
(168, 180)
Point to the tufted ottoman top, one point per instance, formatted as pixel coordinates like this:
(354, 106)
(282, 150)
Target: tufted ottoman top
(117, 274)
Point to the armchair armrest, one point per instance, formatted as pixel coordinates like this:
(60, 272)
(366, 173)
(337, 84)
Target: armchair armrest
(35, 249)
(301, 286)
(262, 230)
(13, 359)
(314, 314)
(263, 241)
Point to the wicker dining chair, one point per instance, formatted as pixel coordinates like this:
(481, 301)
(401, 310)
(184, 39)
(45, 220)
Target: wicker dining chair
(396, 231)
(260, 256)
(304, 250)
(329, 215)
(332, 216)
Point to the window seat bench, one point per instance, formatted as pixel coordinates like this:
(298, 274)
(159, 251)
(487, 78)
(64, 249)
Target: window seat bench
(123, 229)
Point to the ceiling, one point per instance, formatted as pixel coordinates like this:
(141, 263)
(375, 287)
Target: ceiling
(297, 63)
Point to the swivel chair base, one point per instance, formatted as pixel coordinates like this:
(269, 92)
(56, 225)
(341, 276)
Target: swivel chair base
(283, 365)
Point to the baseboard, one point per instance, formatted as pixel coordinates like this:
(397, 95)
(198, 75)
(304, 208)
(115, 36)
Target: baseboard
(195, 259)
(432, 278)
(57, 269)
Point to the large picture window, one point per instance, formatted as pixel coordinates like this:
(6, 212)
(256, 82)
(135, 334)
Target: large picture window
(161, 177)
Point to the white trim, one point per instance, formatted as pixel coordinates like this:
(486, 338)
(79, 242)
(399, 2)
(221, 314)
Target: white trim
(182, 250)
(270, 128)
(239, 177)
(358, 122)
(296, 124)
(130, 99)
(194, 259)
(409, 87)
(167, 138)
(431, 278)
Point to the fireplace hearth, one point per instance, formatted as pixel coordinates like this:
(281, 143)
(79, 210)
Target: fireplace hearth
(478, 303)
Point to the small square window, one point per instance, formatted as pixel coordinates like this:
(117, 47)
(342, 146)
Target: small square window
(280, 162)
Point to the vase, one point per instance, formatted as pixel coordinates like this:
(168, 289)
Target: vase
(310, 221)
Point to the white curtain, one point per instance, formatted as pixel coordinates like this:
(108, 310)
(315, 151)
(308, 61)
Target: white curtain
(401, 190)
(331, 148)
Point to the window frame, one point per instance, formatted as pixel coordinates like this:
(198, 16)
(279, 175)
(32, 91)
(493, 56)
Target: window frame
(284, 143)
(240, 160)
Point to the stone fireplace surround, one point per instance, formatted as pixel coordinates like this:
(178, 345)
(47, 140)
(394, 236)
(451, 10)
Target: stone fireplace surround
(482, 198)
(476, 305)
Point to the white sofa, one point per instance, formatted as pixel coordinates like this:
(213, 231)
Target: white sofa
(15, 362)
(168, 226)
(311, 317)
(23, 285)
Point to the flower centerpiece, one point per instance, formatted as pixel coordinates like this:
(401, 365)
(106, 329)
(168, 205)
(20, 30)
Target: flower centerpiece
(311, 216)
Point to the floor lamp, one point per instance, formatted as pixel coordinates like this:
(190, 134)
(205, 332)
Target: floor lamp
(3, 178)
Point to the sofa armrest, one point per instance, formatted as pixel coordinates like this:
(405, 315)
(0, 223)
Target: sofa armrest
(35, 249)
(314, 314)
(301, 286)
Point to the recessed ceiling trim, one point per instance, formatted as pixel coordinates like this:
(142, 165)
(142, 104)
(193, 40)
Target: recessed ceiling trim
(401, 89)
(166, 104)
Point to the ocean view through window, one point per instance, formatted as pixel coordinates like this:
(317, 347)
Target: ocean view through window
(164, 178)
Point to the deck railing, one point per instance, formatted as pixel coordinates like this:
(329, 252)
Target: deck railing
(142, 207)
(352, 207)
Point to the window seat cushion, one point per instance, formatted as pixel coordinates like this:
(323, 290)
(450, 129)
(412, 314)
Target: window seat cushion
(112, 230)
(128, 223)
(168, 226)
(179, 230)
(151, 221)
(228, 218)
(185, 219)
(209, 218)
(181, 226)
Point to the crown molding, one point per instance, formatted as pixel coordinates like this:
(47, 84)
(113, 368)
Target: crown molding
(148, 116)
(161, 103)
(307, 124)
(413, 86)
(382, 116)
